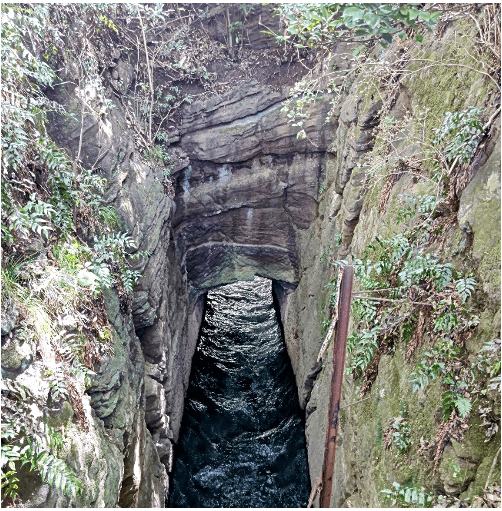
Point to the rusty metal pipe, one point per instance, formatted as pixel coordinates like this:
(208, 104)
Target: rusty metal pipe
(339, 349)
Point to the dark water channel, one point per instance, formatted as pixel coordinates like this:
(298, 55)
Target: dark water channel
(242, 440)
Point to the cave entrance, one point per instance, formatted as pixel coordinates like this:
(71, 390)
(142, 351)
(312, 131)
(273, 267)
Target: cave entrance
(242, 439)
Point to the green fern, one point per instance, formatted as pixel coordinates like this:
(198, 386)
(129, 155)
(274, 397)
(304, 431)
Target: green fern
(52, 470)
(59, 389)
(458, 135)
(424, 374)
(34, 216)
(129, 278)
(447, 319)
(363, 347)
(25, 441)
(34, 449)
(454, 401)
(401, 434)
(463, 405)
(9, 484)
(409, 494)
(465, 287)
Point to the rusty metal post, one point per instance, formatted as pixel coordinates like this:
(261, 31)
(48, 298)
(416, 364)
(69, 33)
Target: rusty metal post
(339, 349)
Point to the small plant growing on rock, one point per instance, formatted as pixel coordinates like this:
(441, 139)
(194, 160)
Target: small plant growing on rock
(398, 434)
(465, 287)
(458, 135)
(424, 373)
(24, 441)
(408, 495)
(452, 400)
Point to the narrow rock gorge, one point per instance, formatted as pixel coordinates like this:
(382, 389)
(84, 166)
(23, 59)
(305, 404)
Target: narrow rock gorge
(261, 177)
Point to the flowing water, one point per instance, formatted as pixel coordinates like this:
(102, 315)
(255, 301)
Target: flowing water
(242, 439)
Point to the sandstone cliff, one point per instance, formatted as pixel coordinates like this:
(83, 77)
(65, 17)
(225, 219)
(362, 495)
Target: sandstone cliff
(252, 198)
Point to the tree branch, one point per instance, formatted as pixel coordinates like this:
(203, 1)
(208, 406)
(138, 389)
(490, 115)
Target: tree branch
(150, 77)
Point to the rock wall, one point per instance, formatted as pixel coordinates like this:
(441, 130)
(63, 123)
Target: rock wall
(135, 402)
(350, 215)
(150, 366)
(253, 199)
(240, 205)
(363, 467)
(137, 394)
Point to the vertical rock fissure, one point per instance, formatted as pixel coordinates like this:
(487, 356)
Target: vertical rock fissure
(242, 441)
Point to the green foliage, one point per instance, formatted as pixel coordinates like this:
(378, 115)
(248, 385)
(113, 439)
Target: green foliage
(108, 216)
(96, 276)
(15, 135)
(59, 389)
(25, 444)
(13, 289)
(408, 494)
(19, 63)
(412, 206)
(419, 268)
(401, 434)
(408, 329)
(110, 251)
(160, 156)
(454, 401)
(108, 23)
(296, 106)
(9, 483)
(129, 278)
(71, 256)
(326, 253)
(320, 25)
(363, 346)
(47, 198)
(22, 75)
(112, 246)
(365, 310)
(465, 287)
(433, 363)
(444, 350)
(398, 255)
(70, 190)
(447, 320)
(35, 215)
(458, 135)
(24, 138)
(489, 362)
(162, 137)
(400, 268)
(425, 372)
(332, 287)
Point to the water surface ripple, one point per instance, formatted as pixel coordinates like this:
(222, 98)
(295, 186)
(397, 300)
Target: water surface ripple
(242, 440)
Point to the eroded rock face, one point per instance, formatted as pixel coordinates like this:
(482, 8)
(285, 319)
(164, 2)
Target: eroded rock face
(265, 132)
(248, 201)
(245, 101)
(350, 216)
(114, 414)
(246, 188)
(250, 187)
(138, 391)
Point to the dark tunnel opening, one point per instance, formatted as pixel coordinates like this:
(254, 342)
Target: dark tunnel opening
(242, 438)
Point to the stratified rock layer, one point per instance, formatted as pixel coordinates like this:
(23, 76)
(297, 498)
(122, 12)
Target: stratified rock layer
(250, 187)
(254, 199)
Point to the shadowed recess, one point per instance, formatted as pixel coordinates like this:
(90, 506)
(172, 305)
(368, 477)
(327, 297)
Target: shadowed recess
(242, 440)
